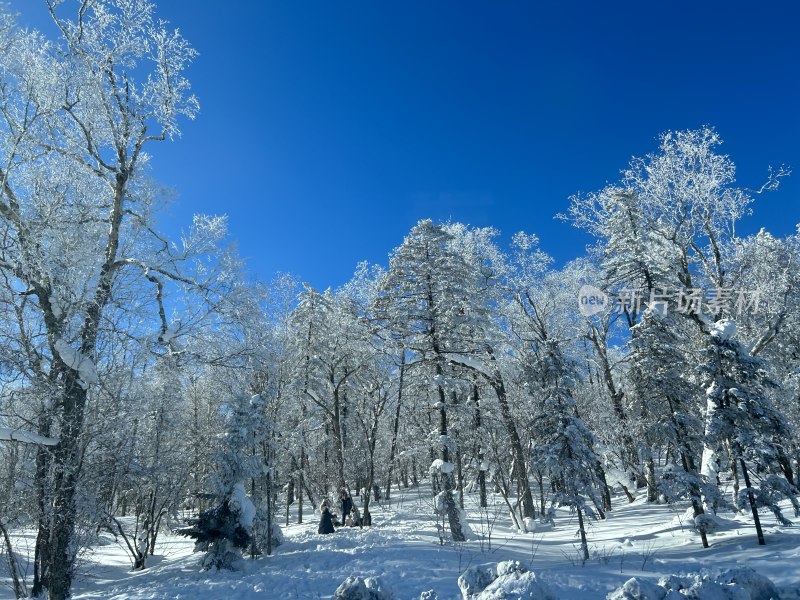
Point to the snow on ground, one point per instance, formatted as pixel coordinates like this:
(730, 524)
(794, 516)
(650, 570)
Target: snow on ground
(403, 549)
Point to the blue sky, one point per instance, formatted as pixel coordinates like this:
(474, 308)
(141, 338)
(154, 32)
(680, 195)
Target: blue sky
(327, 129)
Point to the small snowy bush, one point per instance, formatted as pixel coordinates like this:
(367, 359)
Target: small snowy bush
(516, 586)
(506, 580)
(356, 588)
(735, 584)
(475, 579)
(638, 589)
(219, 532)
(759, 586)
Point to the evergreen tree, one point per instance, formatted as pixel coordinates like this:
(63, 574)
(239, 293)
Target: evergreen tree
(666, 402)
(563, 447)
(227, 529)
(425, 303)
(741, 420)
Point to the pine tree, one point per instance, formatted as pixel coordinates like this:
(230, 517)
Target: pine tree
(424, 302)
(741, 419)
(226, 530)
(666, 402)
(564, 447)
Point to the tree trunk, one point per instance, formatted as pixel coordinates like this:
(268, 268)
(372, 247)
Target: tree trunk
(453, 515)
(476, 421)
(482, 486)
(601, 473)
(338, 439)
(697, 501)
(396, 428)
(582, 529)
(652, 494)
(41, 553)
(459, 478)
(629, 456)
(627, 492)
(366, 517)
(67, 460)
(540, 482)
(269, 512)
(156, 528)
(786, 466)
(690, 468)
(289, 498)
(753, 507)
(520, 469)
(17, 581)
(302, 485)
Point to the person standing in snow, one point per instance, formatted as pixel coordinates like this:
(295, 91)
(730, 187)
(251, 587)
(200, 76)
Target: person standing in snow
(325, 521)
(347, 505)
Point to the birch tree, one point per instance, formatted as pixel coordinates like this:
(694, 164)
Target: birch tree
(76, 118)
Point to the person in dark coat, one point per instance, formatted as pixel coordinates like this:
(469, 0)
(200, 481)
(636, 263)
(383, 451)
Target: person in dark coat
(325, 521)
(347, 505)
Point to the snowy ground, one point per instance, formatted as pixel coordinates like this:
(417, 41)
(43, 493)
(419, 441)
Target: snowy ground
(403, 549)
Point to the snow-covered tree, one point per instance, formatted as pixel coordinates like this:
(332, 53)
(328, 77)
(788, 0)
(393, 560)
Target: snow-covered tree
(227, 529)
(486, 361)
(77, 116)
(564, 447)
(742, 424)
(668, 229)
(424, 303)
(331, 345)
(668, 416)
(767, 268)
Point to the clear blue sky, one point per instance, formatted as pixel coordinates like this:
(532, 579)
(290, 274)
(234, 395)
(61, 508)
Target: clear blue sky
(327, 129)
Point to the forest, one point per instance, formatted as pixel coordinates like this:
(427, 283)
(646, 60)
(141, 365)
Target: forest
(150, 385)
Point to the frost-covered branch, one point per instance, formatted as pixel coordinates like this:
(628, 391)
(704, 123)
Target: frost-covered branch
(8, 434)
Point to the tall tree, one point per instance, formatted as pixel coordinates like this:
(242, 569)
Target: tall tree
(75, 210)
(667, 403)
(677, 211)
(564, 447)
(424, 303)
(488, 283)
(741, 419)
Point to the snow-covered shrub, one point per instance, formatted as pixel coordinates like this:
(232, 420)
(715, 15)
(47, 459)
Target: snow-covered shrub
(475, 579)
(759, 586)
(439, 466)
(506, 580)
(369, 588)
(638, 589)
(219, 532)
(260, 532)
(712, 523)
(735, 584)
(440, 503)
(516, 586)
